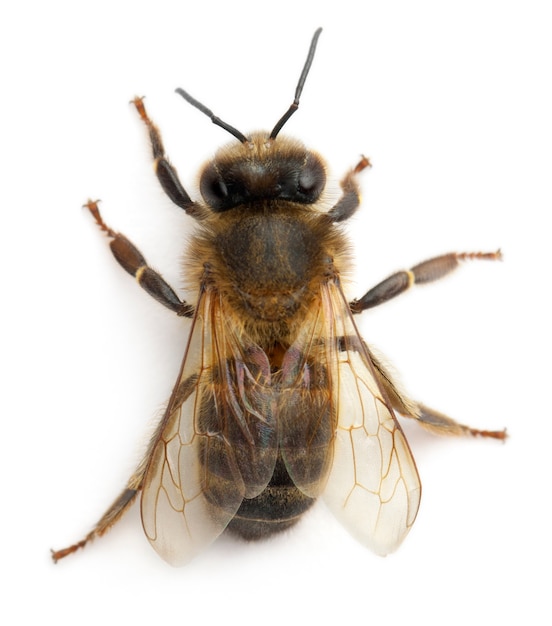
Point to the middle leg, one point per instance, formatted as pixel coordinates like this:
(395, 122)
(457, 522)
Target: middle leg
(131, 259)
(425, 272)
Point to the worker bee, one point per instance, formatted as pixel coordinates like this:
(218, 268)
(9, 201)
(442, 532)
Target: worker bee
(278, 399)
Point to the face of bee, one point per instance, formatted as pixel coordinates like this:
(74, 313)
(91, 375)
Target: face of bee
(262, 169)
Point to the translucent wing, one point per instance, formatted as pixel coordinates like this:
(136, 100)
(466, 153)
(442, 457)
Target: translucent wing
(306, 415)
(373, 486)
(216, 443)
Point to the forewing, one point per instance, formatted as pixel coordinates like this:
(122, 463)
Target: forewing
(373, 486)
(215, 443)
(306, 417)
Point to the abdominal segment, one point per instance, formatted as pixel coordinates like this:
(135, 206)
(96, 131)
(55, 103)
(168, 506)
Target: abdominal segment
(277, 508)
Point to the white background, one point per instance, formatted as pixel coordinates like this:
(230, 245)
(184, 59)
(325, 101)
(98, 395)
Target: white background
(452, 103)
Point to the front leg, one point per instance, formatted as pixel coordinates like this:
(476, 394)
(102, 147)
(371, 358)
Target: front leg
(165, 172)
(350, 198)
(424, 272)
(131, 260)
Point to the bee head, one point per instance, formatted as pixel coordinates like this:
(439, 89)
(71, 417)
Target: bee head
(261, 168)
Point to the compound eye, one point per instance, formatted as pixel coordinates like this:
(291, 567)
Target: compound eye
(213, 188)
(312, 179)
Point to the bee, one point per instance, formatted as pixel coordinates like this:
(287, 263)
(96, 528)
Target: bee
(278, 399)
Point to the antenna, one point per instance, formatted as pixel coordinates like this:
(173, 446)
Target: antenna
(216, 120)
(294, 105)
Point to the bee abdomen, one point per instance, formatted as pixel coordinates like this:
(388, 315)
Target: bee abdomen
(277, 508)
